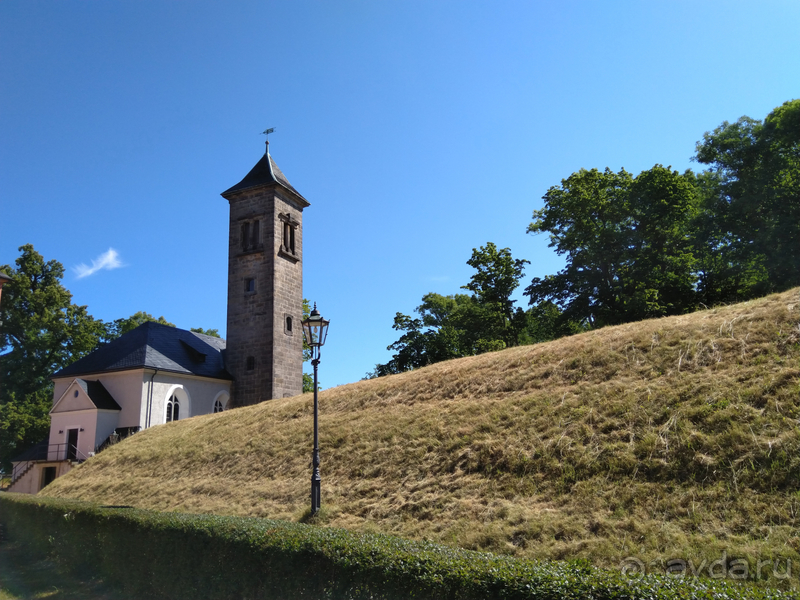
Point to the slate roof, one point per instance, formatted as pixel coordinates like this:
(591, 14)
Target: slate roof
(99, 395)
(266, 172)
(156, 346)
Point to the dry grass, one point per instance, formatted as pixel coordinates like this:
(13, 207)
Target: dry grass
(671, 438)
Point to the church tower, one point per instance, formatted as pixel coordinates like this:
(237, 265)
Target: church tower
(265, 286)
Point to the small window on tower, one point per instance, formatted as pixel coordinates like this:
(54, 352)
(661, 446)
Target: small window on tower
(288, 328)
(250, 285)
(251, 363)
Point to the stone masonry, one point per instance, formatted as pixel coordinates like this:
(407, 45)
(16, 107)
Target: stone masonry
(265, 286)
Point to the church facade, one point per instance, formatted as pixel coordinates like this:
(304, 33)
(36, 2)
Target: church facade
(156, 374)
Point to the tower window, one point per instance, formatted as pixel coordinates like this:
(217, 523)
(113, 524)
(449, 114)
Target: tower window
(251, 363)
(250, 285)
(288, 325)
(250, 237)
(245, 234)
(288, 238)
(289, 228)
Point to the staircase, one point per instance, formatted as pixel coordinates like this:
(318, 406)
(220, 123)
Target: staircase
(20, 471)
(44, 452)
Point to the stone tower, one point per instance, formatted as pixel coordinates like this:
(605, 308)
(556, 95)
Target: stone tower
(265, 286)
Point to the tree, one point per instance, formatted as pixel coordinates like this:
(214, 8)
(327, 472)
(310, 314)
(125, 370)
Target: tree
(497, 276)
(200, 330)
(727, 270)
(757, 171)
(308, 379)
(462, 325)
(660, 279)
(627, 245)
(120, 327)
(585, 218)
(544, 322)
(42, 332)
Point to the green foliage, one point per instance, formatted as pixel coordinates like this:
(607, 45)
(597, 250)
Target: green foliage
(626, 242)
(662, 243)
(42, 332)
(200, 330)
(463, 325)
(308, 379)
(122, 326)
(308, 382)
(497, 276)
(172, 555)
(544, 323)
(726, 270)
(756, 166)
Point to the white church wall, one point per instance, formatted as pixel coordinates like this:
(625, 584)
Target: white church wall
(62, 422)
(107, 422)
(196, 395)
(60, 386)
(124, 386)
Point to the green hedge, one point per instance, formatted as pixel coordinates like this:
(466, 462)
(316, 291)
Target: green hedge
(176, 556)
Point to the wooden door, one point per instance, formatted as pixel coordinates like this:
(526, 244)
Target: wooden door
(72, 444)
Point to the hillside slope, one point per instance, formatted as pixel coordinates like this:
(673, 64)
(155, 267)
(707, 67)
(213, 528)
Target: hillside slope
(670, 438)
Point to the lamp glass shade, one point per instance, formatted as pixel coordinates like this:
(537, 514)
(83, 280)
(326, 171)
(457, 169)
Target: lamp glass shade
(315, 329)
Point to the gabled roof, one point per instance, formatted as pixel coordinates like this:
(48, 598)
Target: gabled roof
(95, 396)
(98, 394)
(156, 346)
(266, 172)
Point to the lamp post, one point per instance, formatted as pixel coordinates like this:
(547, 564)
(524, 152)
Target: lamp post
(315, 330)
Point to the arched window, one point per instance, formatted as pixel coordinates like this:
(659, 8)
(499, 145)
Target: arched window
(221, 401)
(173, 409)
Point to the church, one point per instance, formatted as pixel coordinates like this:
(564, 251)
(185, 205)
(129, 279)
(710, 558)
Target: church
(155, 374)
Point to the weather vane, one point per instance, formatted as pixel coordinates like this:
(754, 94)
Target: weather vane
(267, 132)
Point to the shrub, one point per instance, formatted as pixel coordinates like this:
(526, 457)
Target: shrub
(173, 555)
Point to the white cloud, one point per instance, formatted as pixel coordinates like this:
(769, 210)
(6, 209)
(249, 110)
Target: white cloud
(108, 260)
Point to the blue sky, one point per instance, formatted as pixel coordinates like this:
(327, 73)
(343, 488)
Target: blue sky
(417, 130)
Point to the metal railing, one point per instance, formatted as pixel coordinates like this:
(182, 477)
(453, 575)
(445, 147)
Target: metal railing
(49, 453)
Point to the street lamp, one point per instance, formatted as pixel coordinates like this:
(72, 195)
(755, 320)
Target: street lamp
(315, 330)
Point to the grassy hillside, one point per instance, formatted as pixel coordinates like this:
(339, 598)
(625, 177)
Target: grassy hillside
(671, 438)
